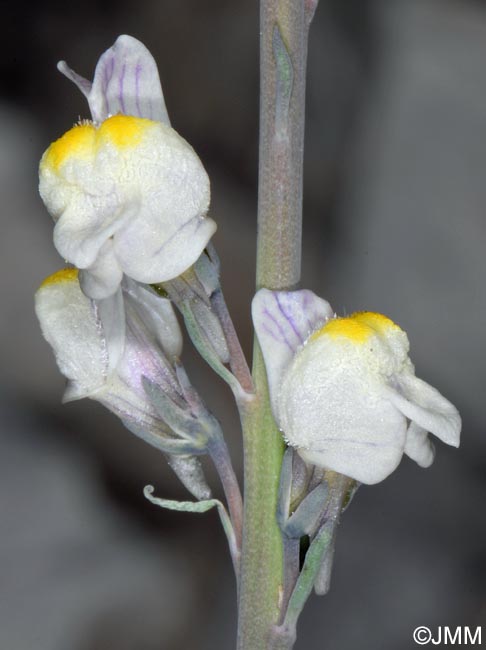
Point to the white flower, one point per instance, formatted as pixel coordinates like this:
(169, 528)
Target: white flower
(122, 351)
(105, 347)
(127, 193)
(344, 391)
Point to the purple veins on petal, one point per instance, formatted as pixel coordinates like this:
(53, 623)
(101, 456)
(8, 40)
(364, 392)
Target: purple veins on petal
(120, 88)
(138, 70)
(276, 338)
(107, 76)
(289, 318)
(283, 338)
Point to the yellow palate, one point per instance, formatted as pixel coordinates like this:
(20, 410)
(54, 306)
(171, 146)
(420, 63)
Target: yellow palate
(84, 140)
(378, 322)
(123, 130)
(64, 275)
(78, 142)
(357, 328)
(345, 328)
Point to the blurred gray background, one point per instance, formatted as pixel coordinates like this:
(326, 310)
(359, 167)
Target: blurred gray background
(395, 221)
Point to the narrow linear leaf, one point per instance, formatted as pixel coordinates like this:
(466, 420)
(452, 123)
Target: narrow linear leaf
(198, 507)
(181, 506)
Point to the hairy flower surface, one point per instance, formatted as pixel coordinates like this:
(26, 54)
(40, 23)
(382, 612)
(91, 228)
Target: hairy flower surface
(128, 194)
(344, 391)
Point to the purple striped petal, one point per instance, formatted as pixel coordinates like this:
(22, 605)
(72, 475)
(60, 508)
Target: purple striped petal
(126, 81)
(283, 322)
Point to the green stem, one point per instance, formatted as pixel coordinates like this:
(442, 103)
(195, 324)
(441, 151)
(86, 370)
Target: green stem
(283, 52)
(261, 575)
(283, 55)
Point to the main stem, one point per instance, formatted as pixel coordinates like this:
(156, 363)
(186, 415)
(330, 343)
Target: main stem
(283, 55)
(283, 52)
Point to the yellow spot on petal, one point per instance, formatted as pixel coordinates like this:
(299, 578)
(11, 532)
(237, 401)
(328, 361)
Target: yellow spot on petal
(84, 140)
(378, 322)
(346, 328)
(123, 130)
(78, 142)
(358, 327)
(64, 275)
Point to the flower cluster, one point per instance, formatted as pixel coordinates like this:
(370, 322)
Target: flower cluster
(129, 197)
